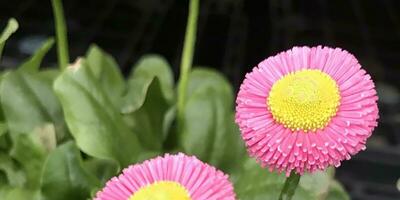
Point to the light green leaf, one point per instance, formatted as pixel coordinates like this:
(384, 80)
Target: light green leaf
(337, 192)
(209, 131)
(150, 66)
(28, 102)
(33, 63)
(317, 182)
(147, 68)
(30, 150)
(102, 169)
(107, 73)
(16, 193)
(97, 126)
(46, 137)
(11, 27)
(256, 183)
(64, 177)
(3, 128)
(206, 77)
(148, 120)
(3, 180)
(14, 174)
(5, 142)
(49, 74)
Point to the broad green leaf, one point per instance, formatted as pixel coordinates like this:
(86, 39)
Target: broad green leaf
(3, 180)
(102, 169)
(28, 102)
(64, 177)
(11, 27)
(49, 74)
(317, 182)
(14, 174)
(150, 66)
(31, 156)
(107, 73)
(148, 120)
(147, 68)
(30, 150)
(96, 125)
(46, 137)
(33, 63)
(209, 131)
(16, 193)
(205, 77)
(256, 183)
(5, 143)
(337, 192)
(3, 129)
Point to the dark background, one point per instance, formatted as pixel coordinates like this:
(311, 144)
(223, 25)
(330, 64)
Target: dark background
(233, 36)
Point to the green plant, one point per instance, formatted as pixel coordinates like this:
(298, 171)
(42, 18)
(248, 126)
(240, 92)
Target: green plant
(64, 132)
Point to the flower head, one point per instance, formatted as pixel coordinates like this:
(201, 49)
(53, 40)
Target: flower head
(306, 109)
(177, 177)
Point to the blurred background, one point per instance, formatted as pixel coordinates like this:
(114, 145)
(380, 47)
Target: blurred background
(233, 36)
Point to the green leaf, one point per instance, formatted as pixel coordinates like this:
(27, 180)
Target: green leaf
(209, 131)
(255, 183)
(201, 77)
(106, 71)
(3, 129)
(31, 155)
(150, 66)
(14, 175)
(33, 63)
(290, 186)
(97, 126)
(337, 192)
(11, 27)
(3, 180)
(148, 120)
(147, 68)
(28, 102)
(16, 193)
(5, 143)
(31, 150)
(49, 74)
(102, 169)
(317, 182)
(64, 177)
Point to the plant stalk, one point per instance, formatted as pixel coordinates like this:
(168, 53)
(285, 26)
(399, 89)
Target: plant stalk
(289, 188)
(187, 55)
(61, 34)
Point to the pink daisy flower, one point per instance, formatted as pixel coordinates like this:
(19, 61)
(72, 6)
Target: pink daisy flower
(306, 109)
(177, 177)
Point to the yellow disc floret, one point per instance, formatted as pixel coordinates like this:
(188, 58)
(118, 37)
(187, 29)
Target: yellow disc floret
(162, 190)
(304, 100)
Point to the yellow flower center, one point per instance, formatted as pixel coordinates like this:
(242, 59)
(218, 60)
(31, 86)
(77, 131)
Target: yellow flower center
(304, 100)
(163, 190)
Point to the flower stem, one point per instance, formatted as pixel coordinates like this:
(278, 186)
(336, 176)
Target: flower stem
(61, 34)
(290, 186)
(187, 55)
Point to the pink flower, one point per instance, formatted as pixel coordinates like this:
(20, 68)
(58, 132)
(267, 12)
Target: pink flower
(177, 177)
(306, 109)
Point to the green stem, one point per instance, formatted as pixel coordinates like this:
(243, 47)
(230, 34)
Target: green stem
(187, 55)
(290, 186)
(61, 34)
